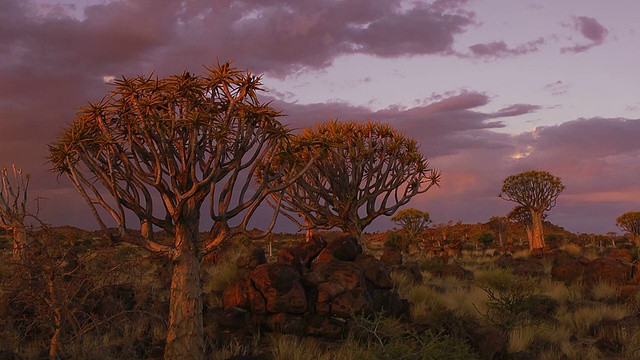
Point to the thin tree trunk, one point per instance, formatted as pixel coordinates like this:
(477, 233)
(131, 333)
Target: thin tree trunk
(19, 240)
(185, 339)
(537, 236)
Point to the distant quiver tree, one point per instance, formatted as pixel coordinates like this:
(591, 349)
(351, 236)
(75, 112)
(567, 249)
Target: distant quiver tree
(536, 191)
(159, 149)
(366, 170)
(630, 222)
(412, 221)
(13, 211)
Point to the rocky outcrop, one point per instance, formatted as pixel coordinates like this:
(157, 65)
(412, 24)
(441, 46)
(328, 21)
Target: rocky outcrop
(315, 288)
(611, 270)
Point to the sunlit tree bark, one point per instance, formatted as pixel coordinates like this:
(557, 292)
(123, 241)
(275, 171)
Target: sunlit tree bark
(365, 170)
(13, 201)
(537, 191)
(160, 149)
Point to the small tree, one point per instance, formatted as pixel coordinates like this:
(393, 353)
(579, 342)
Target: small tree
(365, 171)
(13, 200)
(159, 149)
(536, 191)
(498, 224)
(413, 222)
(630, 222)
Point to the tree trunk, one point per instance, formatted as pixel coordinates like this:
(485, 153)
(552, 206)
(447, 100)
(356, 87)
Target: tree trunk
(537, 236)
(185, 339)
(19, 240)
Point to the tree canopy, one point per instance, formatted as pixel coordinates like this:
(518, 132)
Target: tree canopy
(366, 170)
(158, 149)
(413, 221)
(630, 222)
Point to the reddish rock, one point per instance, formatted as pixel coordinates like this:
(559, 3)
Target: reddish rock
(325, 326)
(391, 256)
(252, 260)
(286, 324)
(530, 267)
(607, 269)
(375, 271)
(326, 292)
(412, 270)
(343, 248)
(622, 254)
(354, 301)
(280, 286)
(347, 274)
(303, 254)
(629, 291)
(237, 295)
(567, 268)
(452, 270)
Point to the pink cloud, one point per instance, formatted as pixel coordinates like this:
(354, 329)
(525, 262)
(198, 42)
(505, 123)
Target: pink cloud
(500, 49)
(590, 29)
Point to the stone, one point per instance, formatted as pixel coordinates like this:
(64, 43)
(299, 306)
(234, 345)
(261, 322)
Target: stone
(391, 256)
(347, 274)
(622, 254)
(452, 270)
(343, 248)
(607, 269)
(285, 323)
(354, 301)
(375, 271)
(567, 268)
(280, 286)
(325, 326)
(303, 254)
(237, 295)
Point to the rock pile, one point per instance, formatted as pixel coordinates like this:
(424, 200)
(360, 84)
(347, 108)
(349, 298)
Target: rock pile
(314, 288)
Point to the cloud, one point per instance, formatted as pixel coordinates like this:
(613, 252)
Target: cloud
(591, 30)
(557, 88)
(500, 49)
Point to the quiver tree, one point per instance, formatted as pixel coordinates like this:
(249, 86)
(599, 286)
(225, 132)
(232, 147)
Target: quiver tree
(412, 221)
(159, 149)
(630, 222)
(13, 200)
(537, 192)
(498, 224)
(365, 170)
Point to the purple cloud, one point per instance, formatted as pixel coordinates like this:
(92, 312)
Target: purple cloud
(499, 49)
(590, 29)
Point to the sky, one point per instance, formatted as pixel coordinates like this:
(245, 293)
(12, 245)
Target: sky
(489, 88)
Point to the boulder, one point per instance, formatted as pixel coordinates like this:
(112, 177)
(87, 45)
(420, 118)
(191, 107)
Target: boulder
(347, 274)
(374, 271)
(325, 326)
(622, 254)
(568, 268)
(607, 269)
(530, 267)
(343, 248)
(452, 270)
(355, 301)
(303, 254)
(391, 256)
(280, 286)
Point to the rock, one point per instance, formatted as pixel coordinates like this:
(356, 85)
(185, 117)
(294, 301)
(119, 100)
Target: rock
(347, 274)
(343, 248)
(607, 269)
(489, 342)
(567, 268)
(622, 254)
(287, 324)
(374, 271)
(391, 256)
(325, 326)
(354, 301)
(412, 270)
(530, 267)
(452, 270)
(303, 254)
(252, 260)
(232, 317)
(390, 304)
(237, 295)
(280, 286)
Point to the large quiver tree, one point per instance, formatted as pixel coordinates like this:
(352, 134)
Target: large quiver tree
(366, 170)
(536, 191)
(158, 149)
